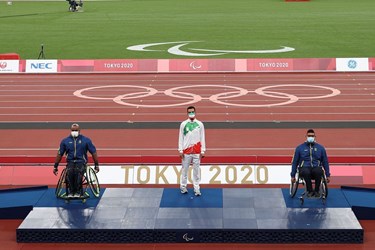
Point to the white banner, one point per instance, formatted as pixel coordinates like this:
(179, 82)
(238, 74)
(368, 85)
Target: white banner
(41, 66)
(210, 174)
(170, 174)
(352, 64)
(9, 66)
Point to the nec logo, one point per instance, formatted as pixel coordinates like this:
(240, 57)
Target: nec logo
(41, 66)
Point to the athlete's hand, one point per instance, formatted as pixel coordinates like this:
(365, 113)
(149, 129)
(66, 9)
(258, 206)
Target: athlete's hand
(56, 168)
(293, 179)
(182, 156)
(96, 168)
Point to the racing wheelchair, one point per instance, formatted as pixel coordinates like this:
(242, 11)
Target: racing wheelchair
(89, 180)
(323, 189)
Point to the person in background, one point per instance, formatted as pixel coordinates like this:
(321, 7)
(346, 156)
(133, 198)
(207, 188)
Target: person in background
(74, 6)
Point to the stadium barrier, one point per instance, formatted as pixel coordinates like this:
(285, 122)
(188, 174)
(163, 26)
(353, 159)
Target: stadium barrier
(169, 174)
(189, 65)
(345, 170)
(10, 56)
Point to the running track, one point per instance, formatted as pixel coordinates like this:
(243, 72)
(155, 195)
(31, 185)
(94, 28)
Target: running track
(249, 114)
(30, 104)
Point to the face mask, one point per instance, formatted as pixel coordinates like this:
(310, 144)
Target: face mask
(74, 133)
(191, 115)
(310, 139)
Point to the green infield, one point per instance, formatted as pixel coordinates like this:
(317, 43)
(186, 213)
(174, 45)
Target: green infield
(189, 28)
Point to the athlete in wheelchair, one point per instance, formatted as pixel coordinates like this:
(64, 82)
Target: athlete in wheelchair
(77, 173)
(310, 162)
(74, 6)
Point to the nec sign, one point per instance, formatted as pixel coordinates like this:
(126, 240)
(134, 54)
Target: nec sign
(41, 66)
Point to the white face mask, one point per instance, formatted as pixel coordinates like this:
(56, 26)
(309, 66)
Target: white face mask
(310, 139)
(74, 133)
(191, 115)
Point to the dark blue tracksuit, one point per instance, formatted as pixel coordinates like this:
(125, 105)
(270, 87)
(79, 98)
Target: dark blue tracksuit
(76, 157)
(310, 157)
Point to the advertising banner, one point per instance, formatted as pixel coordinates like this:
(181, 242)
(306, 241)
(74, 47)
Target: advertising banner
(352, 64)
(41, 66)
(116, 65)
(188, 65)
(242, 174)
(279, 64)
(9, 66)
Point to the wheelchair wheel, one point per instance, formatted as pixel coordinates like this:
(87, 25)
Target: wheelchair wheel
(93, 182)
(301, 200)
(294, 187)
(60, 190)
(324, 188)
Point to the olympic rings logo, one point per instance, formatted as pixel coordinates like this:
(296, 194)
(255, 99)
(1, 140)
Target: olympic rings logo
(191, 98)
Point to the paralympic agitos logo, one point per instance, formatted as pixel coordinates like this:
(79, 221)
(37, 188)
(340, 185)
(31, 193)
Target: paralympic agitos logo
(181, 47)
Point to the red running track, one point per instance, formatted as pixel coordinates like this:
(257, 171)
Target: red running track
(41, 98)
(247, 97)
(48, 98)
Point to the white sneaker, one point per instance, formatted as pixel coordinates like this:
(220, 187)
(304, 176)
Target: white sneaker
(70, 196)
(77, 195)
(183, 190)
(197, 192)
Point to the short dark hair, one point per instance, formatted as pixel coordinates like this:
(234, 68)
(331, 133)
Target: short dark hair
(75, 125)
(190, 107)
(310, 131)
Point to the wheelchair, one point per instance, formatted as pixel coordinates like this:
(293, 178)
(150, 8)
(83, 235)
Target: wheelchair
(89, 180)
(323, 189)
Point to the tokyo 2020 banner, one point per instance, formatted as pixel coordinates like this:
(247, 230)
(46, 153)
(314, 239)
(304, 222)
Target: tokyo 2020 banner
(216, 174)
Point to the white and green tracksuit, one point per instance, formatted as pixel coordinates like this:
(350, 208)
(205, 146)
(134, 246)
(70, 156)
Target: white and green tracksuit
(192, 144)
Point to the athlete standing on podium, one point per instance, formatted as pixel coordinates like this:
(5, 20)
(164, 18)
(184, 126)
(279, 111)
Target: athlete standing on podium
(191, 146)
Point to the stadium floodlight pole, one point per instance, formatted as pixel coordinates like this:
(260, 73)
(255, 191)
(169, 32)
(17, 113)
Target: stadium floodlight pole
(41, 53)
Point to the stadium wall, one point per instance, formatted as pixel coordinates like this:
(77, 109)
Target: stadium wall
(188, 65)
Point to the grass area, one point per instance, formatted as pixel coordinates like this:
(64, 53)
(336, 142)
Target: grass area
(319, 28)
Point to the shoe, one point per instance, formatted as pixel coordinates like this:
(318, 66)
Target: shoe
(184, 190)
(70, 196)
(77, 195)
(197, 192)
(310, 194)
